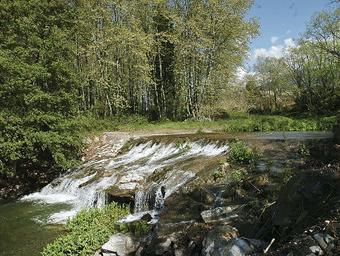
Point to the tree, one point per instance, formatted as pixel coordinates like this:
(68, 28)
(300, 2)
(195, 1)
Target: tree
(315, 73)
(37, 86)
(273, 85)
(324, 31)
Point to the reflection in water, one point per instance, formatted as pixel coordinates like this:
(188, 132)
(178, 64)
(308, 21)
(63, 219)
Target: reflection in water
(20, 234)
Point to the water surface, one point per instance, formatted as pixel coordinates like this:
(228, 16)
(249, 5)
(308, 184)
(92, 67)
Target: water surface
(22, 228)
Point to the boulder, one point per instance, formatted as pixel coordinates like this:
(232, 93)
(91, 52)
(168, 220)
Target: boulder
(220, 214)
(120, 245)
(217, 239)
(170, 244)
(307, 196)
(203, 196)
(216, 243)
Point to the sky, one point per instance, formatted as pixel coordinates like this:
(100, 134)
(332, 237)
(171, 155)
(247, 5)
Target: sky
(281, 23)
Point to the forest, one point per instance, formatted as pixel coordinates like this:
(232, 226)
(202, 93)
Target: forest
(67, 65)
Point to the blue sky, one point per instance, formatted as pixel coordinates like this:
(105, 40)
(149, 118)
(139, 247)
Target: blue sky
(281, 22)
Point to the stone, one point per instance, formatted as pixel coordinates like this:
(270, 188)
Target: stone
(240, 247)
(146, 217)
(203, 196)
(329, 239)
(306, 188)
(220, 214)
(217, 239)
(319, 238)
(316, 250)
(120, 245)
(233, 247)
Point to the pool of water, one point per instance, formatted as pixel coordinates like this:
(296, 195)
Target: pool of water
(23, 230)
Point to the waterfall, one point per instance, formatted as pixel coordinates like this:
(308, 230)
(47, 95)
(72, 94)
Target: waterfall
(87, 185)
(152, 196)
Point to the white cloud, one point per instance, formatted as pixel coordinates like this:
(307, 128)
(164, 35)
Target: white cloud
(288, 31)
(240, 73)
(275, 51)
(274, 39)
(289, 43)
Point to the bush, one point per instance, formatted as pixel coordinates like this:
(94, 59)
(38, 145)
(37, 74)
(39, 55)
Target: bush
(38, 142)
(219, 113)
(241, 153)
(87, 231)
(236, 175)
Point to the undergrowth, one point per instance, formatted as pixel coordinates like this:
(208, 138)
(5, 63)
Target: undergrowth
(87, 231)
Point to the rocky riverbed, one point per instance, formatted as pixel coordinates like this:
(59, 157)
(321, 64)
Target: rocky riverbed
(287, 204)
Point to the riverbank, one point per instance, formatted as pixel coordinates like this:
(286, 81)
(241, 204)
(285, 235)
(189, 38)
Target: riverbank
(234, 123)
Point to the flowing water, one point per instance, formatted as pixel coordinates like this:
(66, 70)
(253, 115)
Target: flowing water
(27, 225)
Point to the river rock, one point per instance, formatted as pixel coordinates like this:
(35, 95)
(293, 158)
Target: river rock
(220, 214)
(171, 244)
(319, 238)
(120, 245)
(315, 249)
(217, 239)
(325, 241)
(202, 195)
(216, 244)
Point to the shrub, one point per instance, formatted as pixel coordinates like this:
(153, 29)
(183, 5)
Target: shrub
(217, 174)
(87, 231)
(220, 113)
(236, 175)
(38, 142)
(241, 153)
(303, 150)
(286, 175)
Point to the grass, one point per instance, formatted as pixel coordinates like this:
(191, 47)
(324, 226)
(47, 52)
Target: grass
(239, 123)
(87, 231)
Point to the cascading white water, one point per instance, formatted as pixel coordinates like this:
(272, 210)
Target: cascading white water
(158, 192)
(85, 186)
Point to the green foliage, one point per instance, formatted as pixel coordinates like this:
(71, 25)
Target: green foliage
(183, 146)
(270, 88)
(38, 88)
(87, 231)
(303, 150)
(236, 175)
(241, 153)
(218, 173)
(39, 141)
(286, 175)
(279, 123)
(236, 123)
(306, 78)
(138, 228)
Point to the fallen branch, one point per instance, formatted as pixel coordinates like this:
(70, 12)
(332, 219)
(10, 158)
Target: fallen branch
(267, 249)
(254, 186)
